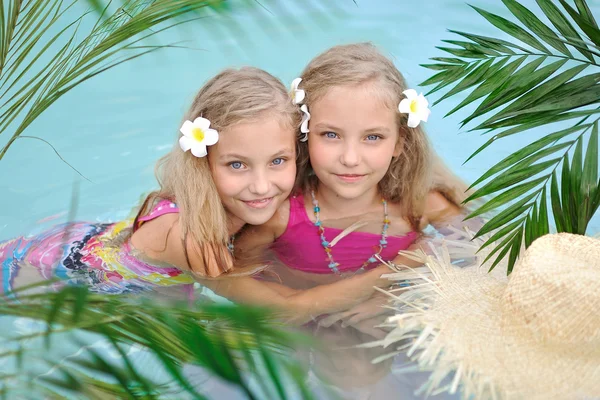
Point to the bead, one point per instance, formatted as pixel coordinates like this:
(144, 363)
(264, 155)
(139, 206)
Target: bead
(376, 249)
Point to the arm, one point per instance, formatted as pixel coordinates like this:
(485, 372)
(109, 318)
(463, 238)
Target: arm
(161, 240)
(301, 306)
(374, 306)
(439, 210)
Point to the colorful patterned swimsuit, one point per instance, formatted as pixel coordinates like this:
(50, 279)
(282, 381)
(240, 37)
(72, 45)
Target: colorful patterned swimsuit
(99, 256)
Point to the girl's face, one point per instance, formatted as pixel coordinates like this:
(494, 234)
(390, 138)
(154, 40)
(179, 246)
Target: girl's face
(253, 168)
(353, 137)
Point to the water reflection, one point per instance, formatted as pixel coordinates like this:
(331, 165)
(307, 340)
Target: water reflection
(341, 364)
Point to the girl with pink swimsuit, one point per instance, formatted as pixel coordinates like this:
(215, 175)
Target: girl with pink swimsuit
(367, 182)
(232, 165)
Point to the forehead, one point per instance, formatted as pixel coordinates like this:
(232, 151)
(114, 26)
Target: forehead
(354, 103)
(259, 138)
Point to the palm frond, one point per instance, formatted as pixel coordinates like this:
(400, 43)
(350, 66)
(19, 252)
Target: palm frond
(30, 83)
(543, 76)
(236, 344)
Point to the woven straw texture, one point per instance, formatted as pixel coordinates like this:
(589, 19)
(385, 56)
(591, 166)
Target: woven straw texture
(535, 335)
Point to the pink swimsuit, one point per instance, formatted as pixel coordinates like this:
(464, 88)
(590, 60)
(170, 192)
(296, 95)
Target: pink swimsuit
(300, 245)
(161, 208)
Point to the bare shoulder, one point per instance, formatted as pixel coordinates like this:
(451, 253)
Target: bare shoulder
(438, 208)
(160, 239)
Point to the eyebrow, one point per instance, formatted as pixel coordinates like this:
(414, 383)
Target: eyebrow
(376, 129)
(324, 125)
(243, 158)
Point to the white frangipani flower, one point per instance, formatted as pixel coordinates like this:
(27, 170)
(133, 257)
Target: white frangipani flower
(415, 106)
(196, 136)
(304, 124)
(298, 94)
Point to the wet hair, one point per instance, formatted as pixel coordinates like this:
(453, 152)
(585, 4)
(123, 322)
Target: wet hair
(409, 176)
(233, 96)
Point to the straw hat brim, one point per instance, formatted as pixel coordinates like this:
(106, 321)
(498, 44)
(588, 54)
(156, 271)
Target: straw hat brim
(456, 328)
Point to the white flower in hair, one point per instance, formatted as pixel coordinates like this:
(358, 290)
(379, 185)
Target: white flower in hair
(415, 106)
(304, 124)
(197, 135)
(298, 94)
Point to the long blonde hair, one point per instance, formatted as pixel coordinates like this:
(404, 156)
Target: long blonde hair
(231, 97)
(408, 179)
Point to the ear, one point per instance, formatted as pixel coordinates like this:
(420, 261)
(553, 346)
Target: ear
(399, 148)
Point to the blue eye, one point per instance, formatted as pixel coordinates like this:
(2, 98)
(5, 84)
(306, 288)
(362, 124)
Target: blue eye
(278, 161)
(373, 137)
(330, 135)
(236, 165)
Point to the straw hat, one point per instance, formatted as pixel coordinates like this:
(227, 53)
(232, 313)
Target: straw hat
(534, 335)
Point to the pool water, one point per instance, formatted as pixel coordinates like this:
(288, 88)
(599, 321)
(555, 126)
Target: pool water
(114, 127)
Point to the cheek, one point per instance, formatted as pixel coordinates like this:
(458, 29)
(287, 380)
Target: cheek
(286, 177)
(383, 158)
(227, 183)
(319, 155)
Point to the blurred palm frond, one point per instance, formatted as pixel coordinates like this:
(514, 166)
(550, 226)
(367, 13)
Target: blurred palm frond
(241, 346)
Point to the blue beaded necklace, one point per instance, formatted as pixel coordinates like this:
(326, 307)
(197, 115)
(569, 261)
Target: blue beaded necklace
(230, 245)
(333, 266)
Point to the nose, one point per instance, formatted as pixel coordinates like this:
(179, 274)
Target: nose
(350, 156)
(261, 184)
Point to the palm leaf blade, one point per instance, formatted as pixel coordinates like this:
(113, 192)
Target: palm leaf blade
(532, 22)
(507, 196)
(512, 29)
(538, 92)
(585, 22)
(562, 24)
(490, 84)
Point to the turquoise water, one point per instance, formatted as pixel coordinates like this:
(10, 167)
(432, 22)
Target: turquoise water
(115, 126)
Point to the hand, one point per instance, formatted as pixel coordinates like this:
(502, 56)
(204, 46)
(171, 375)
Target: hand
(362, 287)
(371, 308)
(375, 276)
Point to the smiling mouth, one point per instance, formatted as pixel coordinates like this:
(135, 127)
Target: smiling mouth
(258, 203)
(350, 177)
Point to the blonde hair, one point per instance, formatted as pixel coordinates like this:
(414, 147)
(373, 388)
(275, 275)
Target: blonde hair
(408, 179)
(445, 181)
(231, 97)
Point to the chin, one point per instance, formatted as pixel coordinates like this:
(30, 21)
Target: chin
(256, 220)
(258, 217)
(349, 192)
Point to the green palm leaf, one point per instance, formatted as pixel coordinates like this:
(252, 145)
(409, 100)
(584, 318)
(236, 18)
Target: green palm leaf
(233, 343)
(43, 55)
(536, 78)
